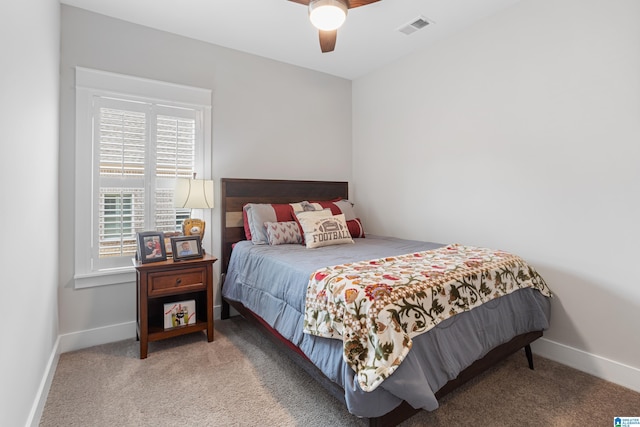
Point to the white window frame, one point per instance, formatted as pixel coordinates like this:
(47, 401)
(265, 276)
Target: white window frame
(89, 85)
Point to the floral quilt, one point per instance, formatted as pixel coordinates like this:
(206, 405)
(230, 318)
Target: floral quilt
(377, 306)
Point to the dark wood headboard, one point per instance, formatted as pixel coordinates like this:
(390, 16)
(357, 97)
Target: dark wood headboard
(238, 192)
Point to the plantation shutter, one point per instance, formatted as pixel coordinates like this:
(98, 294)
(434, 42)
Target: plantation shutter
(122, 136)
(140, 153)
(175, 158)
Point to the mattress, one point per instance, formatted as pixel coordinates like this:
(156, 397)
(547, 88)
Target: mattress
(272, 282)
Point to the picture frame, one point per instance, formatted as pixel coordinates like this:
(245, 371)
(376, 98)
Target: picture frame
(151, 247)
(167, 241)
(186, 247)
(180, 313)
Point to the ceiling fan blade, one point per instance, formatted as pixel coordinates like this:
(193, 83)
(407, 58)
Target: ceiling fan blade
(327, 40)
(356, 3)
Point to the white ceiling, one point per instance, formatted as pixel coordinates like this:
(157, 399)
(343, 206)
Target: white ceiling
(280, 29)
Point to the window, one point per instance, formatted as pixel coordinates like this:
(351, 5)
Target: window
(134, 137)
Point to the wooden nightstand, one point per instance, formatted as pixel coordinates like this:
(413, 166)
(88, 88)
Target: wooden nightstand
(165, 282)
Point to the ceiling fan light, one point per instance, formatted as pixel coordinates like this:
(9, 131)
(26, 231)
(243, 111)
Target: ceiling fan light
(327, 15)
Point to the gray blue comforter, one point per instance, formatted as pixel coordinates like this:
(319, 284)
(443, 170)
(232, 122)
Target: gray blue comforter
(272, 282)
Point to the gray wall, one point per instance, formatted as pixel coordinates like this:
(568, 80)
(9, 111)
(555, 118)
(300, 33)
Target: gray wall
(269, 121)
(29, 99)
(522, 133)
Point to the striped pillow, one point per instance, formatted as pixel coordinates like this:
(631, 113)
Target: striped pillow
(256, 214)
(343, 206)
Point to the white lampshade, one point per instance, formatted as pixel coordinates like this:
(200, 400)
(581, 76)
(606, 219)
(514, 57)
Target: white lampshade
(193, 193)
(327, 15)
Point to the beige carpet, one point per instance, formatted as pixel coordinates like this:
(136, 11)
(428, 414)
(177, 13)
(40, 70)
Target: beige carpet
(240, 379)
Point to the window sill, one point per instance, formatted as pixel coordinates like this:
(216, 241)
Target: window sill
(104, 278)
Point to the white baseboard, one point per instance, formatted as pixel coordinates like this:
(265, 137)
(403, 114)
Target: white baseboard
(91, 337)
(601, 367)
(105, 334)
(45, 385)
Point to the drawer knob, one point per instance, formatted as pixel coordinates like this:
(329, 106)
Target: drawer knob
(178, 281)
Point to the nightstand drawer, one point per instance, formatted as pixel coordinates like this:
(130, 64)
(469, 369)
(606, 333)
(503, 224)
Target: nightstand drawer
(186, 280)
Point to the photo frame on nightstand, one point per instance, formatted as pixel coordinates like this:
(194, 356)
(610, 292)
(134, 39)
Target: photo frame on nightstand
(151, 247)
(167, 241)
(186, 247)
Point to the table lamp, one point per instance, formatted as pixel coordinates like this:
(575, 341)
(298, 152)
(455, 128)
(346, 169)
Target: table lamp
(193, 193)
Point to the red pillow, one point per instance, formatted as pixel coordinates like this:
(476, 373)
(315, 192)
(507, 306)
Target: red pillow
(245, 221)
(355, 228)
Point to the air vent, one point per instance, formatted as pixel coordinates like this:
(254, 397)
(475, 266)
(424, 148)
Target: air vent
(417, 24)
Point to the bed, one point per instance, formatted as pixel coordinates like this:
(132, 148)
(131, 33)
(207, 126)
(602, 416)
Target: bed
(448, 355)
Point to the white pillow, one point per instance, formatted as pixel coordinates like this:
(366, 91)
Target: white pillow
(309, 214)
(323, 230)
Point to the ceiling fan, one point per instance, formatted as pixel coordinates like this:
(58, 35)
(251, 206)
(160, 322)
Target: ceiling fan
(328, 15)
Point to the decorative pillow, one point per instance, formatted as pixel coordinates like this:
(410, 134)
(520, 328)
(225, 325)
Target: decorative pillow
(324, 230)
(320, 213)
(282, 233)
(355, 228)
(305, 206)
(256, 214)
(342, 206)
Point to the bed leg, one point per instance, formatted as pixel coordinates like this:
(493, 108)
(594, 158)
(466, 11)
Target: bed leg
(225, 310)
(527, 351)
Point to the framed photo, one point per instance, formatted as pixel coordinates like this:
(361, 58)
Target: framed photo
(186, 247)
(167, 241)
(151, 247)
(180, 313)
